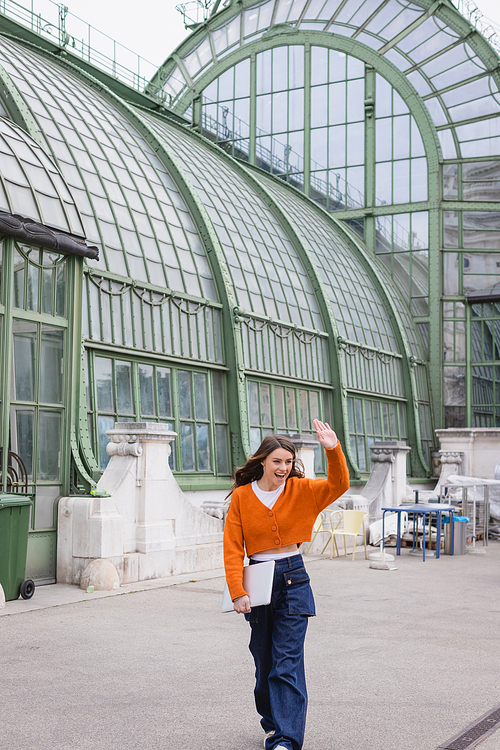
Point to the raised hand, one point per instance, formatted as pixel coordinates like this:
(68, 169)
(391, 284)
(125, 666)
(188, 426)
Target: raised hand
(326, 435)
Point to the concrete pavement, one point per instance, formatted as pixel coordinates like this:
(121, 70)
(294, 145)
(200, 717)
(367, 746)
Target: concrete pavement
(399, 659)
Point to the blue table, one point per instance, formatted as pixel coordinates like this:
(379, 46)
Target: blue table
(423, 510)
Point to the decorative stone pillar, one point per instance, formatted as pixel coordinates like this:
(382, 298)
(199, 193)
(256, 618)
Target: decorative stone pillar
(139, 519)
(386, 485)
(305, 445)
(149, 442)
(451, 463)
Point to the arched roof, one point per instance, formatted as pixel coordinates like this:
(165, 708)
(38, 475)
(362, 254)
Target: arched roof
(129, 204)
(267, 275)
(127, 197)
(31, 185)
(447, 61)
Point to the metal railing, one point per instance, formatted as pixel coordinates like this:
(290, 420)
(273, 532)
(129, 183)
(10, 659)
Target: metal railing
(55, 22)
(489, 29)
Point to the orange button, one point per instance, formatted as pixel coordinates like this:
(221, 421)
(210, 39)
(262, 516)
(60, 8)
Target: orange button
(270, 513)
(273, 528)
(276, 541)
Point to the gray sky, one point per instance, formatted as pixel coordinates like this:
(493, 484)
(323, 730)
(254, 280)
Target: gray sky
(153, 29)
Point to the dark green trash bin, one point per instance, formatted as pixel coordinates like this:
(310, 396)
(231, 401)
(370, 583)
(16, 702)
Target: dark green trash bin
(14, 525)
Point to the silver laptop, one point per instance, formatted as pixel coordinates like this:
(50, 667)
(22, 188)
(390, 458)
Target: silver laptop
(258, 581)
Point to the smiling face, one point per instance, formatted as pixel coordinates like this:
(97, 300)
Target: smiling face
(277, 466)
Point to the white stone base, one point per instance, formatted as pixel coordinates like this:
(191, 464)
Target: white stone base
(139, 567)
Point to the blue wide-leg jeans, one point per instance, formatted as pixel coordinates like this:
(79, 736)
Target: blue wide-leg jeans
(277, 646)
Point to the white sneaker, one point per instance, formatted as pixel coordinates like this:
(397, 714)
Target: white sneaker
(280, 747)
(268, 734)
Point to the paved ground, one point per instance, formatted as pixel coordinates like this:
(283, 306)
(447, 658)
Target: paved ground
(398, 660)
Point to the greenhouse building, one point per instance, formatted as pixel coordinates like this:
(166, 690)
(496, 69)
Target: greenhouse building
(297, 216)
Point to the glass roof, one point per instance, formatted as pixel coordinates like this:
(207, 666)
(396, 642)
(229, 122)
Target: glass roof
(129, 205)
(267, 274)
(356, 304)
(30, 184)
(442, 63)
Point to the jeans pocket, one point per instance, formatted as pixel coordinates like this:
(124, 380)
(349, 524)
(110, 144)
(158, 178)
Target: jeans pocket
(253, 615)
(299, 593)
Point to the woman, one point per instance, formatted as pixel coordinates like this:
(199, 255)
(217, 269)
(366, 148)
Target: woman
(273, 509)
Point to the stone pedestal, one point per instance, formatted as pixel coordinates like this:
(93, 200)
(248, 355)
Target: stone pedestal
(305, 445)
(480, 447)
(386, 485)
(144, 524)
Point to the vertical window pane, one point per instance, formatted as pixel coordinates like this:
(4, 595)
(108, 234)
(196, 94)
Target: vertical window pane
(185, 401)
(255, 440)
(279, 397)
(203, 447)
(253, 404)
(291, 409)
(123, 375)
(376, 420)
(23, 360)
(32, 297)
(49, 445)
(104, 384)
(146, 389)
(265, 405)
(19, 264)
(103, 424)
(358, 408)
(164, 381)
(187, 447)
(314, 405)
(47, 276)
(60, 290)
(222, 449)
(200, 395)
(305, 423)
(218, 381)
(21, 434)
(51, 365)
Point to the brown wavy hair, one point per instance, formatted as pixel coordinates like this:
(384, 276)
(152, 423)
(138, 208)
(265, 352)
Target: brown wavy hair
(253, 469)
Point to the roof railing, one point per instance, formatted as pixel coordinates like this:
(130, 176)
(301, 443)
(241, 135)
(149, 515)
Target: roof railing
(54, 21)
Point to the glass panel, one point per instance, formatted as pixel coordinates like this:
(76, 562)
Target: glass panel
(265, 405)
(187, 446)
(44, 506)
(200, 395)
(253, 403)
(60, 290)
(103, 424)
(49, 445)
(47, 285)
(123, 375)
(19, 264)
(23, 360)
(279, 398)
(51, 365)
(32, 297)
(203, 447)
(221, 443)
(218, 383)
(255, 440)
(185, 401)
(104, 384)
(360, 442)
(291, 409)
(163, 379)
(146, 387)
(305, 423)
(358, 414)
(21, 435)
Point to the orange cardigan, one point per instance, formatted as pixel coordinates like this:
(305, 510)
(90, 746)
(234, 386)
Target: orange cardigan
(251, 524)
